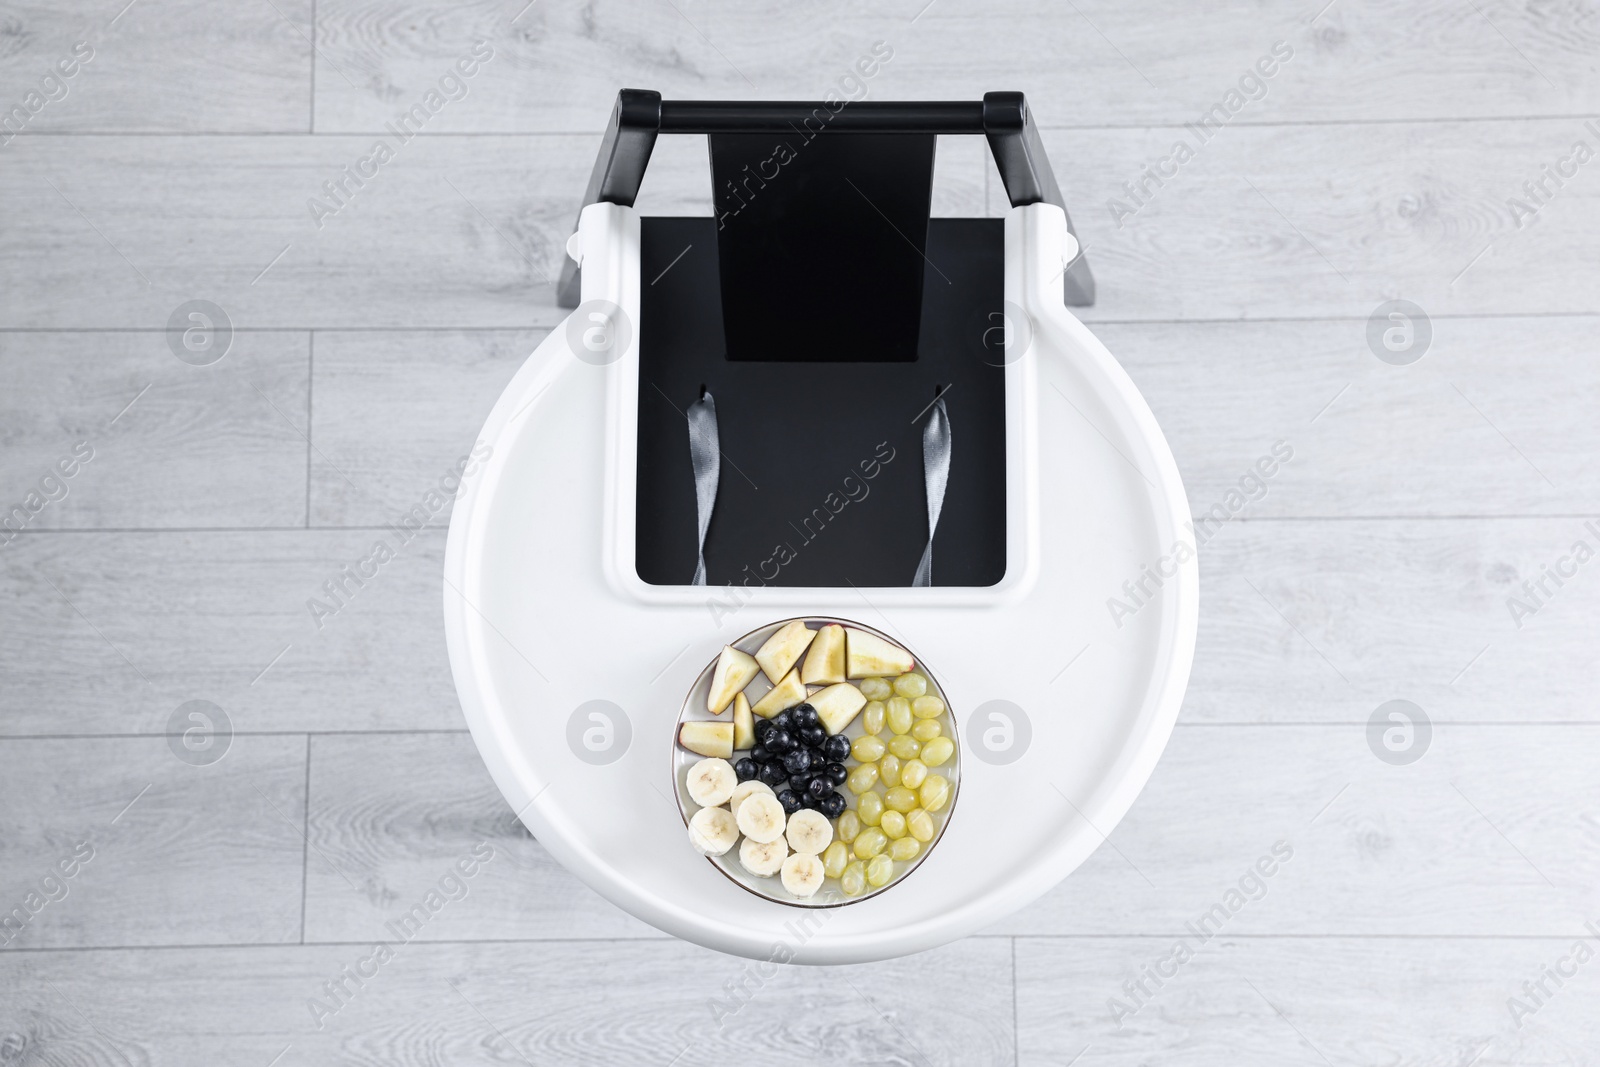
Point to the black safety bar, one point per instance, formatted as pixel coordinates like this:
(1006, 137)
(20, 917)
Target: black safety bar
(1002, 117)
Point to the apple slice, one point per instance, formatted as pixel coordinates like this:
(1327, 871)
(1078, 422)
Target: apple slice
(870, 656)
(782, 650)
(786, 694)
(744, 732)
(713, 739)
(837, 706)
(825, 659)
(733, 673)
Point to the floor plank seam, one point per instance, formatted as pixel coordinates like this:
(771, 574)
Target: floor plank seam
(305, 841)
(664, 939)
(534, 328)
(1016, 1031)
(311, 374)
(1088, 318)
(116, 735)
(433, 527)
(315, 33)
(1258, 124)
(443, 731)
(442, 528)
(225, 946)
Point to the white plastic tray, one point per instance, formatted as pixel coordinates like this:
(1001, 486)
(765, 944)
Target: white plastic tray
(547, 628)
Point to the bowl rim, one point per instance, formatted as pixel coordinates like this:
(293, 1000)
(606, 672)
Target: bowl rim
(813, 903)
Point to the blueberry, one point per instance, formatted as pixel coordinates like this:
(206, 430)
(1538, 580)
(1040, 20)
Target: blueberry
(792, 803)
(800, 782)
(805, 715)
(813, 736)
(831, 805)
(761, 728)
(836, 748)
(773, 774)
(747, 769)
(835, 773)
(810, 803)
(780, 742)
(783, 720)
(760, 753)
(819, 788)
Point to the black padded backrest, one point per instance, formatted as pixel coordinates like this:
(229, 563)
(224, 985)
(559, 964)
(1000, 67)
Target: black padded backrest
(796, 506)
(822, 242)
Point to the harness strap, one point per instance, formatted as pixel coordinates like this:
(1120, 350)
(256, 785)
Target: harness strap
(935, 476)
(706, 456)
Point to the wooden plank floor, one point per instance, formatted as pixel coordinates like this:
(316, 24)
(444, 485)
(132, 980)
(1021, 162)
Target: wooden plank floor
(1412, 909)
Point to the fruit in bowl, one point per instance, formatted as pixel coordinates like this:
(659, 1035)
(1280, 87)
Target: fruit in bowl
(835, 769)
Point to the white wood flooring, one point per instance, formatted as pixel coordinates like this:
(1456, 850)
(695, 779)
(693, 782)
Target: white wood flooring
(1379, 164)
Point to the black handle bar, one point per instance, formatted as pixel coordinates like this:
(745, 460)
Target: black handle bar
(1003, 117)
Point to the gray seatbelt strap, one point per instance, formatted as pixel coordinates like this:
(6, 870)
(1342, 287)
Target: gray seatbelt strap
(935, 476)
(706, 456)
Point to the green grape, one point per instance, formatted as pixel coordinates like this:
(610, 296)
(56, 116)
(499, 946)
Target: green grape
(869, 808)
(849, 826)
(935, 792)
(904, 849)
(926, 730)
(853, 882)
(866, 749)
(834, 859)
(913, 774)
(872, 716)
(893, 823)
(889, 770)
(919, 822)
(928, 707)
(900, 798)
(875, 688)
(910, 685)
(938, 751)
(905, 746)
(862, 778)
(879, 870)
(870, 842)
(899, 714)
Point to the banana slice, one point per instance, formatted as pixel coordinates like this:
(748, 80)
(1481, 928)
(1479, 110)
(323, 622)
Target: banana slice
(762, 860)
(744, 791)
(761, 817)
(809, 832)
(802, 874)
(713, 831)
(712, 782)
